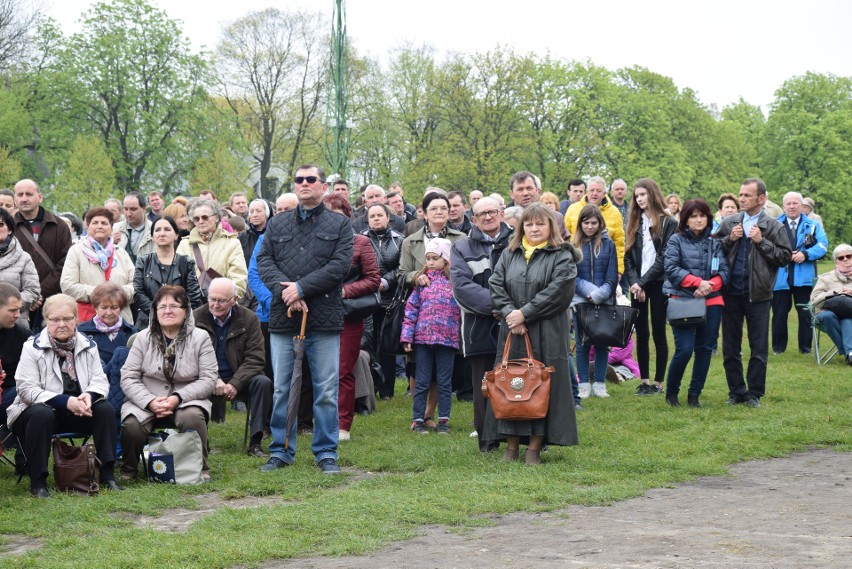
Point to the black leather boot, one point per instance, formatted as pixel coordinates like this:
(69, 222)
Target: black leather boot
(692, 401)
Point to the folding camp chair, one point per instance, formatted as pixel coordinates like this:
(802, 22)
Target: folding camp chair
(822, 353)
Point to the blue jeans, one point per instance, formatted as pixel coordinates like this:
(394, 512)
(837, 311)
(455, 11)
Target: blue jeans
(601, 359)
(442, 359)
(323, 353)
(840, 331)
(688, 340)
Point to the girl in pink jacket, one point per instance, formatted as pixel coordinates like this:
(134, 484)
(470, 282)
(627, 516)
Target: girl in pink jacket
(431, 330)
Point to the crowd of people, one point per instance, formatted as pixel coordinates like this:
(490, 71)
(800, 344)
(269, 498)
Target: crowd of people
(145, 315)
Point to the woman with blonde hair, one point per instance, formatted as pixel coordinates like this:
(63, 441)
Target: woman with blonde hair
(531, 289)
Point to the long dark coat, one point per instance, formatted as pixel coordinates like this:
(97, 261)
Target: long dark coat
(542, 290)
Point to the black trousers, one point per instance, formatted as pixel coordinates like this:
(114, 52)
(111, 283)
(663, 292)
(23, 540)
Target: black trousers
(655, 307)
(386, 361)
(38, 423)
(478, 366)
(756, 316)
(782, 303)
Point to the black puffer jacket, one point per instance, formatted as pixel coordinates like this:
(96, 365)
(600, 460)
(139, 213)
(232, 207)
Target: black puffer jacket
(388, 247)
(147, 281)
(315, 253)
(633, 257)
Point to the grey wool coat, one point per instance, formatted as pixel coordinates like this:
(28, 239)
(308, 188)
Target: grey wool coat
(542, 290)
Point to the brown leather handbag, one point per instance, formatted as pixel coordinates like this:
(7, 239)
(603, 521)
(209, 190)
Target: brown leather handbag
(76, 469)
(519, 390)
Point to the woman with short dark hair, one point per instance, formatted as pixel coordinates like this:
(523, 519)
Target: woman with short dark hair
(168, 378)
(94, 259)
(695, 267)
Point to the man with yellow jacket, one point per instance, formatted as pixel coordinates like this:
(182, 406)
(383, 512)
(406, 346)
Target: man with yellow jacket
(596, 195)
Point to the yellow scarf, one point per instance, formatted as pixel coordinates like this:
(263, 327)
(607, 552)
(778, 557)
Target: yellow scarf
(528, 249)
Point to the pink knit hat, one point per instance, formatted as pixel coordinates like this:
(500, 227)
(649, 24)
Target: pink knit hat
(439, 246)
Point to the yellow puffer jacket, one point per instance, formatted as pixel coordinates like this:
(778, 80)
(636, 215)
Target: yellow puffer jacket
(614, 225)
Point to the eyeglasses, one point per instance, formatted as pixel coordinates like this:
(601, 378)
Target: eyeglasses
(487, 213)
(843, 257)
(308, 179)
(198, 218)
(63, 319)
(170, 308)
(212, 300)
(444, 208)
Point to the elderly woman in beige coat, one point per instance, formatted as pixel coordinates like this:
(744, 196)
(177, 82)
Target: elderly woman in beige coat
(167, 379)
(93, 260)
(213, 247)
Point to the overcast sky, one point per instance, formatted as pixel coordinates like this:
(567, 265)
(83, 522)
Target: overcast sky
(723, 49)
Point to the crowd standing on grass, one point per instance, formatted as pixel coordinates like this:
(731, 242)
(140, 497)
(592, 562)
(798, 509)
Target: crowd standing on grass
(153, 313)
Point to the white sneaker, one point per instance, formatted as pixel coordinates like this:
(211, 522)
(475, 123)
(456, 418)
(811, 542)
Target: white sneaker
(585, 390)
(599, 389)
(342, 435)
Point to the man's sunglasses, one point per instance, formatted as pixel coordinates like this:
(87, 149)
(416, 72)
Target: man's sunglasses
(309, 179)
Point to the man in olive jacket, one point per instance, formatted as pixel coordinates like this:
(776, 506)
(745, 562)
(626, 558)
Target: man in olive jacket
(756, 246)
(304, 258)
(241, 354)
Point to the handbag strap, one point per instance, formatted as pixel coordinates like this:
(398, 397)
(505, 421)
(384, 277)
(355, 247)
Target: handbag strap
(509, 345)
(198, 261)
(108, 272)
(37, 248)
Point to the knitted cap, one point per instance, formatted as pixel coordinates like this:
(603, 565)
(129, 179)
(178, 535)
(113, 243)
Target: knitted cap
(439, 246)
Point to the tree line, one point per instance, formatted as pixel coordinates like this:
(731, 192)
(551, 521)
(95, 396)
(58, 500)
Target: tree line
(125, 104)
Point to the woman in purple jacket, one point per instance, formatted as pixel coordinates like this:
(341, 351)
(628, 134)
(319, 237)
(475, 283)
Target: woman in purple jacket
(431, 330)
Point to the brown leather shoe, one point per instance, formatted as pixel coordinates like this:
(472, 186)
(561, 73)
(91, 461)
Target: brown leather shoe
(510, 455)
(533, 457)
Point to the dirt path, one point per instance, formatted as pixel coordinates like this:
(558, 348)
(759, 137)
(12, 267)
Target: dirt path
(793, 512)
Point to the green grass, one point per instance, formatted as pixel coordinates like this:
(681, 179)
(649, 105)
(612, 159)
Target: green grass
(398, 481)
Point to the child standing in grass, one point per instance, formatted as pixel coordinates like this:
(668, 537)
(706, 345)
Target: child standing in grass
(431, 330)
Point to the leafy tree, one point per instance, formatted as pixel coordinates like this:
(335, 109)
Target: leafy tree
(272, 73)
(10, 169)
(89, 177)
(220, 171)
(129, 77)
(809, 146)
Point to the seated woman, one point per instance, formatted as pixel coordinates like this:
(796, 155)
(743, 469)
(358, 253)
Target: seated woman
(110, 332)
(108, 329)
(61, 388)
(167, 379)
(836, 282)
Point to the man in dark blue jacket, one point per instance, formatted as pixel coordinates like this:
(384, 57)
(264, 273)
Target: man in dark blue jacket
(303, 260)
(471, 261)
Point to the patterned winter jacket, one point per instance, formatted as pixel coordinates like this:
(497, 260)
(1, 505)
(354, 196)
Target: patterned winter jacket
(432, 315)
